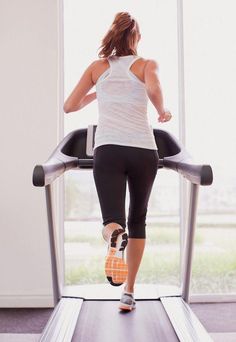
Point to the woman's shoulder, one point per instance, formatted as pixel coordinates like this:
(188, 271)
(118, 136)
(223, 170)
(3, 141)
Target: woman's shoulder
(149, 60)
(99, 60)
(149, 63)
(99, 66)
(100, 63)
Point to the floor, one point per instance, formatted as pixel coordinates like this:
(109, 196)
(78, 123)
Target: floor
(25, 325)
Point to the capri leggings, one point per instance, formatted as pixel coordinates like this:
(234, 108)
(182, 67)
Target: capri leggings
(114, 166)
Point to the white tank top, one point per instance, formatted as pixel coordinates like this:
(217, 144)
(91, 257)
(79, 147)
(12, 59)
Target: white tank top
(122, 104)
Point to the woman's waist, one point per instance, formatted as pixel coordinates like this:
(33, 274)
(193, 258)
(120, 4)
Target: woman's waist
(119, 108)
(125, 133)
(145, 141)
(124, 120)
(125, 128)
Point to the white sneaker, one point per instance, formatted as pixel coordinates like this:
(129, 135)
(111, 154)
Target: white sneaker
(127, 301)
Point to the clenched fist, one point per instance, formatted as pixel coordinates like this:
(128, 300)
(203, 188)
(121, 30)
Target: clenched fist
(164, 117)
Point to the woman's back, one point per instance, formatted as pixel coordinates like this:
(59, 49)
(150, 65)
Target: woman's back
(122, 103)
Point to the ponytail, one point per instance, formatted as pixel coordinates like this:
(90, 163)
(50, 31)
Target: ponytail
(121, 37)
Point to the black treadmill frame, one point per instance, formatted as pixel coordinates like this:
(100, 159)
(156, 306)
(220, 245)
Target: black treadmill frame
(75, 151)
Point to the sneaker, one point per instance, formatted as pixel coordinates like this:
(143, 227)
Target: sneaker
(127, 301)
(116, 269)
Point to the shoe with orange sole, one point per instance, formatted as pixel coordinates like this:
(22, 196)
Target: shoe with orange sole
(116, 269)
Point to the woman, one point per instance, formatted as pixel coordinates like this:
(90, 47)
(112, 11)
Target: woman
(125, 150)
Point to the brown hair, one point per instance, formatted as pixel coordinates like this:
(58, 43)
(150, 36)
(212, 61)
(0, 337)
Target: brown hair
(121, 36)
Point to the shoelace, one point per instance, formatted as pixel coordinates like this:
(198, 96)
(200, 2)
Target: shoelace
(128, 298)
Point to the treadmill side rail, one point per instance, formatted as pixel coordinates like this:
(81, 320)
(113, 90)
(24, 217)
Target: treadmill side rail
(186, 324)
(61, 325)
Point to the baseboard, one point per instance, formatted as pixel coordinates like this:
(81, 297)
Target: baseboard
(213, 298)
(24, 301)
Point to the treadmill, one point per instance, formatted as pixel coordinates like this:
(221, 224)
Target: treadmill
(167, 316)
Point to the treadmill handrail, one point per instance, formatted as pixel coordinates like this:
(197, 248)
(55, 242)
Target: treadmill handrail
(46, 173)
(59, 162)
(200, 174)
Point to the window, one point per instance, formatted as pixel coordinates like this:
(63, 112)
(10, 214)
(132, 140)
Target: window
(84, 246)
(210, 75)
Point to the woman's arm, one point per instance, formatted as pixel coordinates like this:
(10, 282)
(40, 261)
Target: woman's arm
(154, 90)
(78, 98)
(87, 99)
(84, 102)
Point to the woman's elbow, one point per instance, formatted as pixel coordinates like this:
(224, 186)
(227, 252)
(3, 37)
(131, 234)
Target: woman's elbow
(66, 108)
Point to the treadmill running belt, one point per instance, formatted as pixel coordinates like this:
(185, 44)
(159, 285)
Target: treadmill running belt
(102, 321)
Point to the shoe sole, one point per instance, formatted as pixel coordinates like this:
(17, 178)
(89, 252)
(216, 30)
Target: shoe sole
(116, 269)
(127, 307)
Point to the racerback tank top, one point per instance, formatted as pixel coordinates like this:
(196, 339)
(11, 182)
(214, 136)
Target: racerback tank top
(122, 105)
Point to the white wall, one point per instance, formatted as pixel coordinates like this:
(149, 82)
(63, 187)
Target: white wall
(31, 127)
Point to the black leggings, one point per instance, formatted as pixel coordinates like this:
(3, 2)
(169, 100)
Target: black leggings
(112, 166)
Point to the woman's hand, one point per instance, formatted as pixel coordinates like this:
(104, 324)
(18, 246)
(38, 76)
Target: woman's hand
(165, 116)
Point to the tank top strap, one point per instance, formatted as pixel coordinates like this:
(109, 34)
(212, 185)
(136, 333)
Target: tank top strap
(130, 62)
(120, 65)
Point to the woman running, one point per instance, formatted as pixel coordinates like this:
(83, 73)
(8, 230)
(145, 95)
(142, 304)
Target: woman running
(125, 150)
